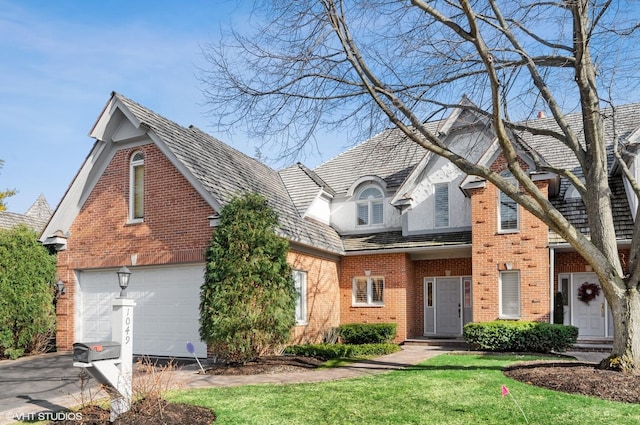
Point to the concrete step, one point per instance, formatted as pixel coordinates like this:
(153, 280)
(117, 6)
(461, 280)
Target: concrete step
(596, 345)
(458, 343)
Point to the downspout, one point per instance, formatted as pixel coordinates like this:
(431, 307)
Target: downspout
(552, 267)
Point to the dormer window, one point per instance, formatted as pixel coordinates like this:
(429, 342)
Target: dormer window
(136, 188)
(370, 206)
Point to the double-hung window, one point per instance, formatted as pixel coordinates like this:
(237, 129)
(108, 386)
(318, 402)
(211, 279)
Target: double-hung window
(368, 290)
(441, 204)
(300, 282)
(508, 219)
(136, 187)
(370, 206)
(510, 294)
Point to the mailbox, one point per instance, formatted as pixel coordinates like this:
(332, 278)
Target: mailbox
(95, 351)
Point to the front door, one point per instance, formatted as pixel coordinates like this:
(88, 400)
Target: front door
(588, 314)
(448, 306)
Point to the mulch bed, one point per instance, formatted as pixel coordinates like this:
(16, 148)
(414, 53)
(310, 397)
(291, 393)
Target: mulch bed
(265, 365)
(578, 378)
(158, 412)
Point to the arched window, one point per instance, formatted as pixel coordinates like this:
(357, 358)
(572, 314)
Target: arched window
(370, 206)
(136, 187)
(508, 219)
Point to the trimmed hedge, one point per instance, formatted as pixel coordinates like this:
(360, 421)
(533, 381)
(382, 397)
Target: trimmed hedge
(503, 335)
(341, 351)
(367, 333)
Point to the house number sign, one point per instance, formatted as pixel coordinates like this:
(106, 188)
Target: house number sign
(127, 329)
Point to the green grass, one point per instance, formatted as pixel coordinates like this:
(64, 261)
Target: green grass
(448, 389)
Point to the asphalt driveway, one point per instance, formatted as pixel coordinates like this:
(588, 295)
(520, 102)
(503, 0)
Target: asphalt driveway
(43, 383)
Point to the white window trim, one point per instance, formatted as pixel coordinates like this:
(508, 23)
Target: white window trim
(300, 280)
(501, 315)
(369, 204)
(132, 165)
(435, 206)
(370, 302)
(500, 194)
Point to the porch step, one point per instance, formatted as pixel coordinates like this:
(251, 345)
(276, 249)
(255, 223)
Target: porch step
(597, 345)
(457, 343)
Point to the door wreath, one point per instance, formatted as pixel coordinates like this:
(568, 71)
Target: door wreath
(588, 292)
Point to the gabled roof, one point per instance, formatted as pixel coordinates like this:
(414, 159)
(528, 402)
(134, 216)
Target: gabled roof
(226, 172)
(303, 186)
(218, 171)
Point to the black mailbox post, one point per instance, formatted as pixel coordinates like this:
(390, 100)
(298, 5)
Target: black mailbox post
(94, 351)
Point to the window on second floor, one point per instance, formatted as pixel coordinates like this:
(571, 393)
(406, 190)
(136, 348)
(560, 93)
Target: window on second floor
(136, 187)
(508, 219)
(441, 205)
(370, 206)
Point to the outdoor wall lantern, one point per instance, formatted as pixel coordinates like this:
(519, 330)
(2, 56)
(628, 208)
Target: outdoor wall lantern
(123, 280)
(59, 288)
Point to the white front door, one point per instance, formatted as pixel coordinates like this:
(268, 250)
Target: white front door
(448, 306)
(588, 317)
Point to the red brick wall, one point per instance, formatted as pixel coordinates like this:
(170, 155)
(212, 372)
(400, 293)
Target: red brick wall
(398, 274)
(432, 268)
(526, 249)
(323, 296)
(175, 227)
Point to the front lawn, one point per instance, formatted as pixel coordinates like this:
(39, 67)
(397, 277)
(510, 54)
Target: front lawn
(448, 389)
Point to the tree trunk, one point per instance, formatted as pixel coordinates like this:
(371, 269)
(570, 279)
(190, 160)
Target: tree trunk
(625, 355)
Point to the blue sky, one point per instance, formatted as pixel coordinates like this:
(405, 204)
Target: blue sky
(61, 60)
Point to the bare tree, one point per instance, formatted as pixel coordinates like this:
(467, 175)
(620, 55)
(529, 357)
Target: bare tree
(341, 64)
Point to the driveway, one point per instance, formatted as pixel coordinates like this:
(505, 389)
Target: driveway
(43, 383)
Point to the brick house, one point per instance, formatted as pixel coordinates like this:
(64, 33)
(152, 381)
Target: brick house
(384, 232)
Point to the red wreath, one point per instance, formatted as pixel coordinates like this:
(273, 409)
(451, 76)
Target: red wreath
(588, 292)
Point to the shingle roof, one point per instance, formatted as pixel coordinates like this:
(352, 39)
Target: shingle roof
(627, 119)
(622, 124)
(574, 210)
(225, 172)
(389, 155)
(395, 240)
(303, 185)
(36, 216)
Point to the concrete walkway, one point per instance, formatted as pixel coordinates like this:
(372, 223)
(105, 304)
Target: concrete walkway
(189, 377)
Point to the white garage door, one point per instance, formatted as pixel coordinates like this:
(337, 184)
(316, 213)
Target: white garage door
(166, 315)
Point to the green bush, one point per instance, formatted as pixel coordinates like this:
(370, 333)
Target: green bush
(502, 335)
(27, 271)
(341, 351)
(248, 298)
(367, 333)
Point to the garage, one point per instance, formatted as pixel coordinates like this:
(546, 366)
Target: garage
(166, 316)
